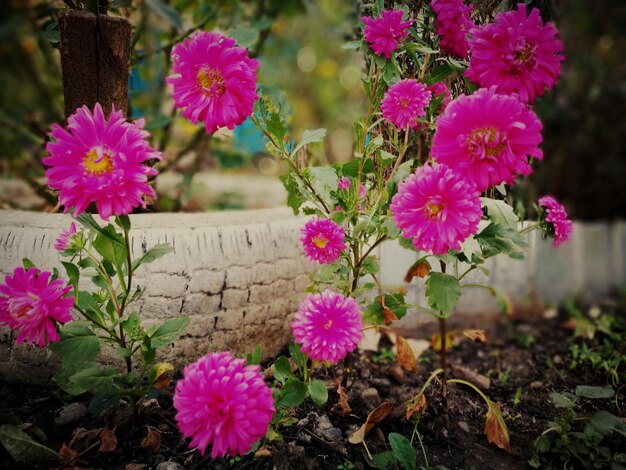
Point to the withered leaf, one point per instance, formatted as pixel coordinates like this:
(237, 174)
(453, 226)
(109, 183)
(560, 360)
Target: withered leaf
(388, 316)
(435, 341)
(420, 268)
(342, 407)
(152, 441)
(406, 358)
(376, 416)
(108, 441)
(68, 454)
(262, 453)
(476, 335)
(82, 437)
(417, 404)
(495, 427)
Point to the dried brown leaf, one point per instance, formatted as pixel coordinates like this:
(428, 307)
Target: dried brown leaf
(82, 437)
(477, 335)
(417, 404)
(263, 452)
(342, 407)
(376, 416)
(420, 268)
(495, 427)
(108, 441)
(152, 440)
(68, 454)
(406, 358)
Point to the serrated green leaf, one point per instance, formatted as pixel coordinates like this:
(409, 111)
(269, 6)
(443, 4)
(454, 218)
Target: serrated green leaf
(245, 36)
(23, 448)
(443, 292)
(88, 221)
(95, 379)
(295, 197)
(370, 266)
(169, 331)
(293, 393)
(154, 253)
(403, 451)
(497, 238)
(309, 136)
(318, 392)
(500, 212)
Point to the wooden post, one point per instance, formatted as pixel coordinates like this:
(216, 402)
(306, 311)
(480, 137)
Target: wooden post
(95, 57)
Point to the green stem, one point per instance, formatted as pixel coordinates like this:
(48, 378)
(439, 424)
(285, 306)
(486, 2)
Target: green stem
(471, 385)
(530, 227)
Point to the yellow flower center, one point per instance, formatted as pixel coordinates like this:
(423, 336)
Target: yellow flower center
(211, 81)
(320, 242)
(486, 141)
(97, 162)
(404, 102)
(525, 53)
(328, 324)
(433, 210)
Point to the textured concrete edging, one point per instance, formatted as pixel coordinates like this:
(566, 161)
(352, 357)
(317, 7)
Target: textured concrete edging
(238, 275)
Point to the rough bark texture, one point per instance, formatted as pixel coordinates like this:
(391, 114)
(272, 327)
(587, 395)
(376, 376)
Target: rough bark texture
(95, 57)
(238, 275)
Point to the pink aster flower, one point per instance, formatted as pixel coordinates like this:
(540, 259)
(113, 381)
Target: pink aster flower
(223, 402)
(323, 240)
(517, 53)
(64, 239)
(404, 102)
(452, 24)
(328, 326)
(99, 160)
(487, 137)
(438, 89)
(386, 32)
(214, 80)
(343, 183)
(559, 226)
(31, 305)
(437, 208)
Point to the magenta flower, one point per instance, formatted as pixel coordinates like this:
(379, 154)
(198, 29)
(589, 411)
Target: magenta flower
(31, 305)
(487, 137)
(386, 32)
(64, 239)
(516, 53)
(323, 240)
(559, 226)
(328, 326)
(343, 183)
(214, 80)
(223, 402)
(452, 24)
(440, 88)
(437, 208)
(404, 102)
(102, 161)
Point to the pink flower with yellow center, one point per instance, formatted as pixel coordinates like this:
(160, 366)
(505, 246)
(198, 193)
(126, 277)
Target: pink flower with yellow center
(437, 208)
(386, 31)
(404, 102)
(453, 23)
(214, 80)
(558, 224)
(31, 305)
(517, 53)
(488, 137)
(328, 326)
(102, 161)
(323, 240)
(223, 402)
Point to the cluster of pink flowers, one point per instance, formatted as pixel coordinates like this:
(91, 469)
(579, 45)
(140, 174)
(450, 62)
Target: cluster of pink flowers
(223, 402)
(404, 102)
(214, 80)
(323, 240)
(386, 31)
(436, 207)
(453, 23)
(328, 326)
(31, 305)
(559, 226)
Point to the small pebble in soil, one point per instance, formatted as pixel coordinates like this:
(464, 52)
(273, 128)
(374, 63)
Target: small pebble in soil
(537, 384)
(136, 466)
(70, 414)
(463, 425)
(303, 422)
(370, 398)
(304, 437)
(169, 466)
(381, 383)
(325, 429)
(150, 405)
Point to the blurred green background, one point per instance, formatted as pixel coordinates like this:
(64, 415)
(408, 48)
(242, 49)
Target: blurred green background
(299, 43)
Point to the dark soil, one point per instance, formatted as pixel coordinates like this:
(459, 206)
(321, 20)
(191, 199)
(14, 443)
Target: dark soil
(529, 356)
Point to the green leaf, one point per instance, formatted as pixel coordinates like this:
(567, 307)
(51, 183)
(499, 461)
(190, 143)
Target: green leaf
(318, 392)
(293, 393)
(352, 45)
(254, 358)
(561, 401)
(294, 195)
(370, 266)
(403, 451)
(124, 222)
(309, 136)
(382, 461)
(169, 331)
(62, 379)
(154, 253)
(72, 273)
(94, 379)
(394, 302)
(132, 326)
(157, 122)
(298, 356)
(324, 181)
(75, 350)
(91, 308)
(166, 12)
(496, 238)
(500, 212)
(604, 422)
(110, 245)
(589, 391)
(282, 369)
(88, 221)
(443, 292)
(27, 263)
(23, 448)
(245, 36)
(276, 127)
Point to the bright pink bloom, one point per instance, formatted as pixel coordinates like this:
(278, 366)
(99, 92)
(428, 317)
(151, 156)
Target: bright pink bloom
(362, 191)
(343, 183)
(31, 305)
(386, 32)
(328, 326)
(516, 53)
(487, 137)
(323, 240)
(214, 80)
(437, 208)
(559, 226)
(62, 242)
(404, 102)
(452, 24)
(223, 402)
(440, 88)
(100, 160)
